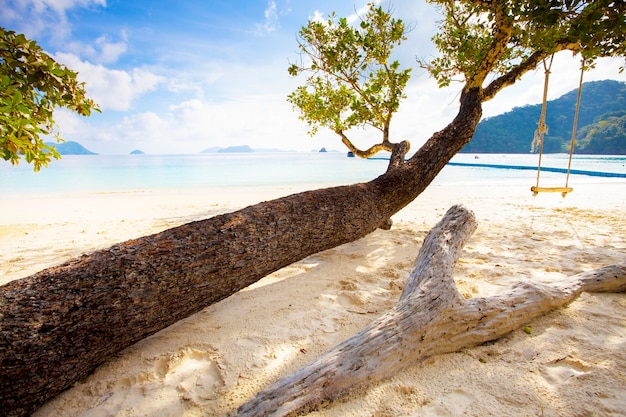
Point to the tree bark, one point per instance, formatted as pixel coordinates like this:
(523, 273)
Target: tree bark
(58, 325)
(430, 318)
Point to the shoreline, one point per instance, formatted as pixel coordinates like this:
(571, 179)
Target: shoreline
(573, 363)
(545, 169)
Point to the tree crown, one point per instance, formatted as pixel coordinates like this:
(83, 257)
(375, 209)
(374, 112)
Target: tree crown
(350, 81)
(32, 85)
(501, 40)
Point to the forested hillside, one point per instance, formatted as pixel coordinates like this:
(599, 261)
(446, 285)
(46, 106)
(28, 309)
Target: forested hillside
(601, 124)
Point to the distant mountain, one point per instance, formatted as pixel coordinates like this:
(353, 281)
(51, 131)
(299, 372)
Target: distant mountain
(212, 149)
(240, 149)
(601, 128)
(236, 149)
(71, 148)
(137, 152)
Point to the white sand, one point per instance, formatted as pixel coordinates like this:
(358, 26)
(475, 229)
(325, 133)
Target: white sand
(572, 364)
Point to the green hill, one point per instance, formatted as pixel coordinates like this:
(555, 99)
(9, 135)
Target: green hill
(71, 148)
(601, 124)
(607, 136)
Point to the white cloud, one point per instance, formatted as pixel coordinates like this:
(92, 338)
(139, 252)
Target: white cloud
(109, 51)
(142, 128)
(318, 17)
(145, 131)
(41, 18)
(271, 22)
(216, 101)
(69, 124)
(32, 17)
(195, 80)
(321, 17)
(358, 15)
(103, 51)
(60, 6)
(112, 89)
(190, 126)
(193, 116)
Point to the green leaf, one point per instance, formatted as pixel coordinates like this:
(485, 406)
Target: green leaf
(32, 85)
(351, 83)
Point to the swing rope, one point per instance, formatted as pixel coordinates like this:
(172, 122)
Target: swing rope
(573, 141)
(542, 128)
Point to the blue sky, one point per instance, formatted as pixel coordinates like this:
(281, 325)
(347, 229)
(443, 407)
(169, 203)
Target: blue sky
(180, 77)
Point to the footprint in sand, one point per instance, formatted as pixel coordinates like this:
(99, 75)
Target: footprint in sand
(190, 377)
(558, 372)
(351, 299)
(195, 375)
(451, 404)
(348, 285)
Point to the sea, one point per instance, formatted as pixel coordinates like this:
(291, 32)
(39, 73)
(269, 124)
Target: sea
(124, 173)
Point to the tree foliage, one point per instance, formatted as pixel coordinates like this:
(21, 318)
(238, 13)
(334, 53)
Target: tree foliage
(498, 41)
(486, 45)
(606, 136)
(32, 85)
(350, 81)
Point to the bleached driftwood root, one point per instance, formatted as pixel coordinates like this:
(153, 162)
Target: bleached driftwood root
(430, 318)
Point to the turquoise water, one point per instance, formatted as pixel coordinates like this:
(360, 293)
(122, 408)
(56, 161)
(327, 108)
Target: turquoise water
(110, 173)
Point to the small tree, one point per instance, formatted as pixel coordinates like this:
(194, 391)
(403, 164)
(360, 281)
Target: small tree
(32, 84)
(351, 82)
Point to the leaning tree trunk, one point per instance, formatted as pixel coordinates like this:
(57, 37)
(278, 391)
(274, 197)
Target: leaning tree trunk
(56, 326)
(430, 318)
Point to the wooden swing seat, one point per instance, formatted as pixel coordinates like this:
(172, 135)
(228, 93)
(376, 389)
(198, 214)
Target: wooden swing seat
(541, 130)
(562, 190)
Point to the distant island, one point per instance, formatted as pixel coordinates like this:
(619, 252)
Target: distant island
(239, 149)
(137, 152)
(71, 148)
(601, 124)
(236, 149)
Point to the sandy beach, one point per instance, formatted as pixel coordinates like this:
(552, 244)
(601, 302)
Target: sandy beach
(573, 363)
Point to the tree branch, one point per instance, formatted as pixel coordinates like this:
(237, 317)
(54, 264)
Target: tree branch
(368, 153)
(512, 76)
(398, 154)
(502, 31)
(528, 64)
(398, 150)
(430, 318)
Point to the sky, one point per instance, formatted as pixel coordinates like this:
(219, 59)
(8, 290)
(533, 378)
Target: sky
(180, 77)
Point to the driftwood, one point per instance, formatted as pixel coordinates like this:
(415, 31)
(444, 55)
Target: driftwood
(430, 318)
